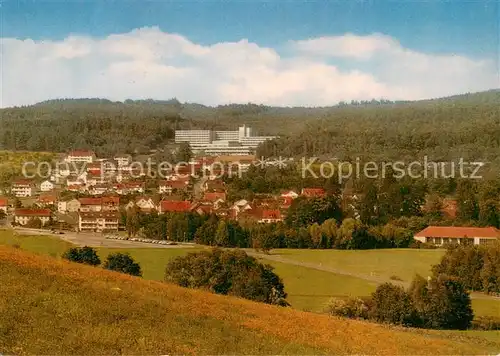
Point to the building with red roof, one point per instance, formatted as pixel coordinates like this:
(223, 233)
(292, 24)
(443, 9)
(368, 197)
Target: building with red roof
(174, 206)
(4, 204)
(443, 235)
(23, 216)
(214, 196)
(313, 192)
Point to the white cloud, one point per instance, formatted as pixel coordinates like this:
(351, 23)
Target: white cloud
(148, 63)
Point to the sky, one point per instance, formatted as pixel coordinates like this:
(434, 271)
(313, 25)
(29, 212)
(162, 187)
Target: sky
(287, 53)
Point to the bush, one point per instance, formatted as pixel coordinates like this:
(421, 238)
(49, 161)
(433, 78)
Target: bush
(353, 308)
(124, 263)
(228, 272)
(486, 323)
(86, 255)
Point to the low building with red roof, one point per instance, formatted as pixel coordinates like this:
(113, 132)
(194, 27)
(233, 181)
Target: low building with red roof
(169, 186)
(23, 216)
(444, 235)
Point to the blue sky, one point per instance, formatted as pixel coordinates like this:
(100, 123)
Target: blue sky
(469, 27)
(408, 34)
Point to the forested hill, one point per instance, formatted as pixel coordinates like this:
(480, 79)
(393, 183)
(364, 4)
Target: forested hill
(465, 125)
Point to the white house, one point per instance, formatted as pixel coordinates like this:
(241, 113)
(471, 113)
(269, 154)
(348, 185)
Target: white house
(81, 156)
(47, 186)
(98, 221)
(22, 188)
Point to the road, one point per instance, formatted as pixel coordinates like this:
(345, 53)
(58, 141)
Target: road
(97, 240)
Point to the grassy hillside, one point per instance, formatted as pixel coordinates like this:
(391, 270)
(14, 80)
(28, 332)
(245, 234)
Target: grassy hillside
(308, 289)
(51, 306)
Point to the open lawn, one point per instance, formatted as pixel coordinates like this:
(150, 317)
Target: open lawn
(402, 263)
(310, 289)
(51, 306)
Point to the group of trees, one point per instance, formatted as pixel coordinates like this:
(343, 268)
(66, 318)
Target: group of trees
(439, 303)
(214, 231)
(476, 267)
(228, 272)
(119, 262)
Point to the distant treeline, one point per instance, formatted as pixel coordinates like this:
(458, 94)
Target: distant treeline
(466, 126)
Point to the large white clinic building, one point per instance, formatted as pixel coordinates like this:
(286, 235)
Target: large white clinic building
(240, 142)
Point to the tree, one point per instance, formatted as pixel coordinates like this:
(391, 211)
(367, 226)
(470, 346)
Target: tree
(184, 153)
(227, 272)
(392, 304)
(124, 263)
(467, 207)
(86, 255)
(442, 303)
(132, 221)
(490, 274)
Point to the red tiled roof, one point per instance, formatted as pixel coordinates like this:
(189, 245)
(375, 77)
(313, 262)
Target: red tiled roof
(313, 192)
(213, 196)
(174, 184)
(110, 200)
(270, 214)
(47, 198)
(32, 212)
(23, 182)
(90, 201)
(4, 202)
(175, 206)
(459, 232)
(81, 153)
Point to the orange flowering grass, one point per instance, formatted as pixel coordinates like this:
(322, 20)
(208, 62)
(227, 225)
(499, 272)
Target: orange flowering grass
(50, 306)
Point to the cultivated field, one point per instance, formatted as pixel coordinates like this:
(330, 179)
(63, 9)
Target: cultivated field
(51, 306)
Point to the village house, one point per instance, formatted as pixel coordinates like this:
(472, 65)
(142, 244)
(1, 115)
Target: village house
(174, 206)
(4, 205)
(169, 186)
(24, 216)
(444, 235)
(125, 188)
(81, 156)
(144, 204)
(123, 160)
(214, 197)
(267, 216)
(289, 194)
(90, 204)
(47, 186)
(110, 203)
(98, 221)
(313, 192)
(22, 188)
(215, 185)
(70, 206)
(47, 200)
